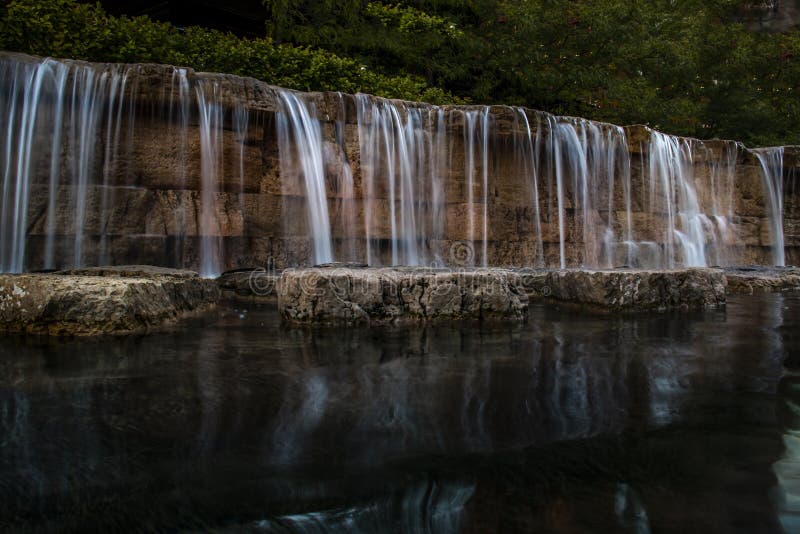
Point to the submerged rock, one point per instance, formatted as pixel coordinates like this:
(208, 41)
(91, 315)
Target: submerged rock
(389, 295)
(749, 280)
(115, 300)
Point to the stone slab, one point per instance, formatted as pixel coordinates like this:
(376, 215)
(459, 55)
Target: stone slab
(341, 295)
(628, 290)
(749, 280)
(86, 302)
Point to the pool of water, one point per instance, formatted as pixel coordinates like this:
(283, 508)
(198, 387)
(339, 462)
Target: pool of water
(568, 423)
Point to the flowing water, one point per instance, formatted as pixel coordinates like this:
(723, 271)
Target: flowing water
(567, 423)
(300, 141)
(772, 171)
(359, 178)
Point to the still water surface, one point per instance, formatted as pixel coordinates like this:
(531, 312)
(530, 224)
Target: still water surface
(568, 423)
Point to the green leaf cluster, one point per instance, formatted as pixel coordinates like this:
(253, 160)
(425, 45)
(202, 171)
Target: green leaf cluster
(68, 29)
(688, 67)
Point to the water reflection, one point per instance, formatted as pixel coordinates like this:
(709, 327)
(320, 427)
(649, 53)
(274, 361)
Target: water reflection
(567, 422)
(787, 469)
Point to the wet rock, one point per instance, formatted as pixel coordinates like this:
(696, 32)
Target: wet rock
(254, 284)
(749, 280)
(132, 271)
(107, 300)
(391, 295)
(631, 290)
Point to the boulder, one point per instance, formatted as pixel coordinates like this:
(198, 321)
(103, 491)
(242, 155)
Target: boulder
(105, 300)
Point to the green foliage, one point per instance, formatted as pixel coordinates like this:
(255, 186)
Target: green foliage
(65, 28)
(410, 21)
(684, 67)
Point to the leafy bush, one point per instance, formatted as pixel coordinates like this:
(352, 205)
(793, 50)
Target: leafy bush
(68, 29)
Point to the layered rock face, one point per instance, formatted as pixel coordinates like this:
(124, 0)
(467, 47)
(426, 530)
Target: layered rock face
(101, 301)
(121, 164)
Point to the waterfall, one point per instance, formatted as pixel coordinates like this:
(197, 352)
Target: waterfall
(20, 101)
(112, 164)
(526, 151)
(49, 108)
(346, 225)
(116, 106)
(300, 143)
(476, 144)
(60, 80)
(725, 249)
(771, 161)
(672, 195)
(399, 151)
(437, 148)
(587, 159)
(211, 117)
(180, 105)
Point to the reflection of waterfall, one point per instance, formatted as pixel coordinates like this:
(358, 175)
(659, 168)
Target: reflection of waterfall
(420, 508)
(291, 427)
(105, 164)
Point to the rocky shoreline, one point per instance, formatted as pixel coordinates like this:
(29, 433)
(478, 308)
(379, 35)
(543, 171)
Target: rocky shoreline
(134, 299)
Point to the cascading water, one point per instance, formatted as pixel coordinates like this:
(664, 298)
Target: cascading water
(85, 146)
(582, 156)
(724, 250)
(211, 122)
(401, 147)
(300, 143)
(476, 142)
(51, 107)
(345, 225)
(20, 110)
(672, 194)
(180, 113)
(116, 107)
(771, 161)
(526, 150)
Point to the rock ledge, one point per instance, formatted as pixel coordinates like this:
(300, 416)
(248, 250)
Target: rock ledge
(336, 295)
(84, 302)
(630, 290)
(749, 280)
